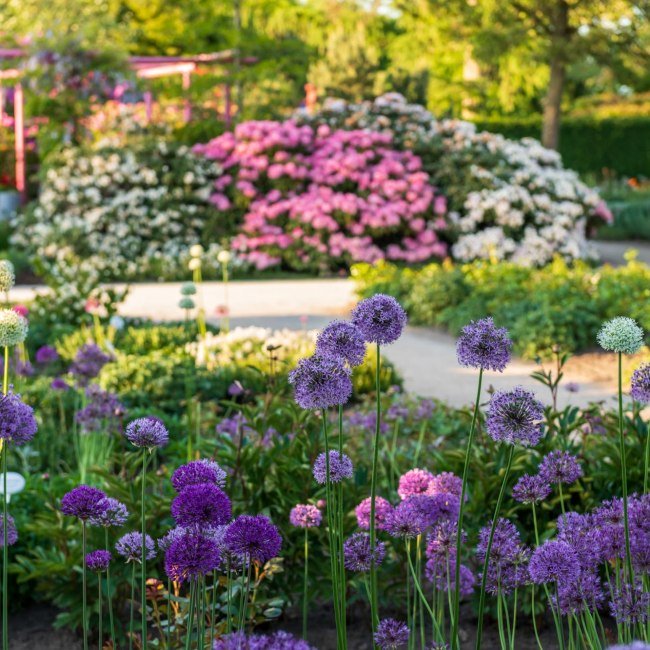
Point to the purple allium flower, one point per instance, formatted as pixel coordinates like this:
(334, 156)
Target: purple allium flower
(98, 561)
(236, 389)
(341, 341)
(12, 533)
(84, 502)
(129, 546)
(253, 537)
(608, 520)
(482, 345)
(406, 520)
(380, 319)
(442, 572)
(148, 432)
(59, 384)
(359, 555)
(88, 362)
(441, 541)
(113, 514)
(554, 561)
(446, 483)
(17, 421)
(572, 387)
(640, 384)
(102, 413)
(560, 467)
(203, 504)
(585, 538)
(277, 641)
(382, 510)
(191, 555)
(630, 604)
(46, 354)
(585, 594)
(415, 481)
(515, 417)
(305, 516)
(531, 489)
(198, 471)
(340, 468)
(320, 383)
(234, 426)
(620, 334)
(391, 634)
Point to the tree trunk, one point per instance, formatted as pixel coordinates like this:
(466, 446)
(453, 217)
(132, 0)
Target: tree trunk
(553, 104)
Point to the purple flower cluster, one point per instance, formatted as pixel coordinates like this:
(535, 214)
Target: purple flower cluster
(84, 502)
(305, 516)
(129, 546)
(340, 467)
(441, 559)
(103, 412)
(201, 504)
(98, 561)
(191, 554)
(321, 382)
(88, 362)
(276, 641)
(341, 341)
(198, 471)
(640, 384)
(391, 634)
(482, 345)
(12, 533)
(380, 319)
(147, 432)
(46, 354)
(560, 467)
(253, 538)
(531, 488)
(17, 421)
(555, 561)
(382, 510)
(515, 417)
(359, 555)
(112, 514)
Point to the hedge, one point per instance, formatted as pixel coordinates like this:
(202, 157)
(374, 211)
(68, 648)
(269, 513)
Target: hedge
(589, 145)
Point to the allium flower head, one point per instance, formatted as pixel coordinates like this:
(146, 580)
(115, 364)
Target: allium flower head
(276, 641)
(17, 421)
(198, 471)
(191, 555)
(341, 341)
(88, 362)
(148, 432)
(640, 384)
(305, 516)
(113, 515)
(620, 334)
(203, 504)
(406, 519)
(12, 533)
(531, 489)
(320, 382)
(13, 328)
(358, 553)
(554, 561)
(443, 574)
(59, 384)
(340, 467)
(98, 561)
(415, 481)
(446, 483)
(515, 417)
(129, 546)
(84, 502)
(391, 634)
(186, 303)
(630, 604)
(560, 467)
(382, 510)
(380, 319)
(188, 289)
(46, 354)
(7, 275)
(585, 594)
(483, 345)
(254, 538)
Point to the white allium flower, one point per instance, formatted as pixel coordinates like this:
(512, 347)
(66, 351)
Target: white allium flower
(13, 328)
(196, 250)
(621, 334)
(7, 275)
(224, 257)
(194, 264)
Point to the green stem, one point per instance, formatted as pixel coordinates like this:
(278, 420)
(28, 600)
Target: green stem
(305, 588)
(170, 613)
(213, 613)
(455, 614)
(341, 553)
(647, 460)
(132, 602)
(228, 596)
(83, 585)
(621, 437)
(486, 561)
(190, 616)
(143, 578)
(110, 597)
(5, 547)
(99, 578)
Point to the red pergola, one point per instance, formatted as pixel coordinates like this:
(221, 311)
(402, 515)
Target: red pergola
(145, 67)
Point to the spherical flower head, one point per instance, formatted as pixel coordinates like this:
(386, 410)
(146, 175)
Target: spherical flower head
(640, 384)
(446, 483)
(408, 518)
(305, 516)
(129, 546)
(98, 561)
(277, 641)
(382, 509)
(320, 383)
(186, 303)
(83, 502)
(203, 504)
(59, 384)
(188, 289)
(147, 432)
(190, 556)
(554, 561)
(391, 634)
(113, 515)
(343, 342)
(46, 354)
(380, 319)
(359, 556)
(224, 256)
(88, 362)
(531, 489)
(482, 345)
(196, 250)
(415, 481)
(340, 468)
(17, 421)
(630, 604)
(620, 334)
(198, 471)
(254, 538)
(12, 533)
(515, 417)
(13, 328)
(7, 275)
(560, 467)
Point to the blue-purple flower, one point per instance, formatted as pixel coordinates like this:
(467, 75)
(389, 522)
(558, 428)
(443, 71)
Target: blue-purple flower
(254, 538)
(203, 504)
(340, 467)
(380, 319)
(198, 471)
(320, 382)
(88, 362)
(640, 384)
(12, 533)
(129, 546)
(98, 561)
(515, 417)
(531, 489)
(391, 634)
(276, 641)
(341, 341)
(305, 516)
(84, 502)
(46, 354)
(147, 432)
(560, 467)
(191, 555)
(554, 561)
(113, 514)
(482, 345)
(17, 421)
(359, 555)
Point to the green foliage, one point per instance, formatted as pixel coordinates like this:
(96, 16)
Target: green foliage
(631, 220)
(557, 305)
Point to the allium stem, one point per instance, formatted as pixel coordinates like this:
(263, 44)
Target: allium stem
(108, 588)
(486, 561)
(374, 605)
(342, 579)
(213, 613)
(143, 579)
(5, 549)
(99, 595)
(647, 460)
(621, 438)
(132, 603)
(170, 610)
(83, 585)
(455, 614)
(305, 588)
(190, 616)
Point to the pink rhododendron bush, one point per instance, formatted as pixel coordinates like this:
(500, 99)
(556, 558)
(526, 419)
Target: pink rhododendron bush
(316, 198)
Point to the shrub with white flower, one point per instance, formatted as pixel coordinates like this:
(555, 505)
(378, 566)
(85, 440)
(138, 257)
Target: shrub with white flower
(507, 199)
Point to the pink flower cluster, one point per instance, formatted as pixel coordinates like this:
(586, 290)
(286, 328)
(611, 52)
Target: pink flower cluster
(317, 198)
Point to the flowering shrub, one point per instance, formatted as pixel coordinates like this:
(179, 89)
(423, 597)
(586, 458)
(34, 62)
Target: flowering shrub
(508, 199)
(321, 199)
